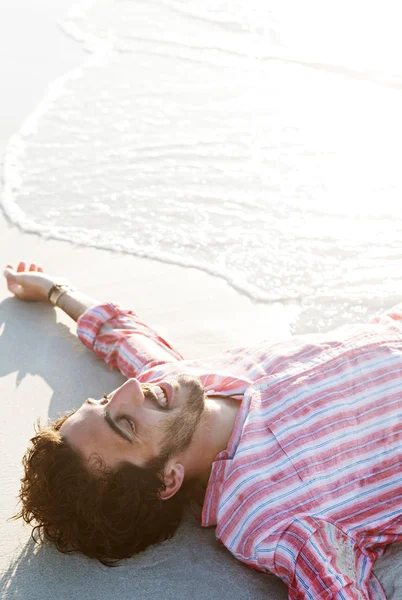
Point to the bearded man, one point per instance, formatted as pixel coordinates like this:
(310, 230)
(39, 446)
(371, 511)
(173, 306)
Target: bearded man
(298, 445)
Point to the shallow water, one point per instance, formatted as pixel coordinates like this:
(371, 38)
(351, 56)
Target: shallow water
(259, 141)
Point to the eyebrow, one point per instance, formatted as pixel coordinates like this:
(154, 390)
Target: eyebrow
(115, 428)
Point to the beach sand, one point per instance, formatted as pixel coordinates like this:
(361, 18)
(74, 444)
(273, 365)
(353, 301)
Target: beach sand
(45, 370)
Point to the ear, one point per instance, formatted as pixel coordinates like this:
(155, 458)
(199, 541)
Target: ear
(173, 478)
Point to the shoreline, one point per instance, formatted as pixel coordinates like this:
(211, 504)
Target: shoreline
(45, 371)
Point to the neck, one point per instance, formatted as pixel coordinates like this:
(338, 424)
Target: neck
(211, 438)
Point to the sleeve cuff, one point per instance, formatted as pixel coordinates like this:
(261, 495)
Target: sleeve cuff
(91, 321)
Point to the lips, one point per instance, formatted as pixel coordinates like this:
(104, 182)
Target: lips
(160, 393)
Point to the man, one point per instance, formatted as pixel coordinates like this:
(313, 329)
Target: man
(297, 443)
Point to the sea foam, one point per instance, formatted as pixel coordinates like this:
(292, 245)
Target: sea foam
(259, 141)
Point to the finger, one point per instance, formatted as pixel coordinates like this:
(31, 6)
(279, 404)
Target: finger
(8, 271)
(32, 267)
(21, 266)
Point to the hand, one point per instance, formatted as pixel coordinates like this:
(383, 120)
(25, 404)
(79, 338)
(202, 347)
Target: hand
(28, 282)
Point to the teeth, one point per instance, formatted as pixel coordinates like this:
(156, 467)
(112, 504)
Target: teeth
(160, 395)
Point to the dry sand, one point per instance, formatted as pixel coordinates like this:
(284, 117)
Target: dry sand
(44, 369)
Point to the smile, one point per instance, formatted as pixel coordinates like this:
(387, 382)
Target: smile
(161, 396)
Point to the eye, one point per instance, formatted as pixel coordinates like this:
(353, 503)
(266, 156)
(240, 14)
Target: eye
(130, 423)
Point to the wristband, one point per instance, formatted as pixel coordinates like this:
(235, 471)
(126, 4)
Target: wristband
(56, 292)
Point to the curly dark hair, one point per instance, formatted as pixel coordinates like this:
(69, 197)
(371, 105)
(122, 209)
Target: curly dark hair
(104, 514)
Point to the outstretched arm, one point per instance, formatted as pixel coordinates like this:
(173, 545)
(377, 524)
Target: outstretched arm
(30, 282)
(117, 336)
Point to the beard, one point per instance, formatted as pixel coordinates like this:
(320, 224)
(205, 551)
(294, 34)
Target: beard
(179, 429)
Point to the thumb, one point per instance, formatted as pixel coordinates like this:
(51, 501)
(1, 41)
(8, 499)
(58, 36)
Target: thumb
(15, 289)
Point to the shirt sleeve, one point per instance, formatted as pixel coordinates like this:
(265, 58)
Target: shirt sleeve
(122, 341)
(319, 561)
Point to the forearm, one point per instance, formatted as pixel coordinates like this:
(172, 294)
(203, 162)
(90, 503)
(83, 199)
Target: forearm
(117, 336)
(74, 303)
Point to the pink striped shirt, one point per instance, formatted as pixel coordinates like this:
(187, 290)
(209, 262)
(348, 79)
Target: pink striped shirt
(310, 485)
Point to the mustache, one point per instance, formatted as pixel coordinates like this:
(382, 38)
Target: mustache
(191, 384)
(149, 394)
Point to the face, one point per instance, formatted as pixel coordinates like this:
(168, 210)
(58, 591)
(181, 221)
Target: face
(140, 423)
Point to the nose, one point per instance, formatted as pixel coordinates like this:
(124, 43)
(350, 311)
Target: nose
(129, 394)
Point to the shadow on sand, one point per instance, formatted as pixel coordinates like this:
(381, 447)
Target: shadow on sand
(192, 564)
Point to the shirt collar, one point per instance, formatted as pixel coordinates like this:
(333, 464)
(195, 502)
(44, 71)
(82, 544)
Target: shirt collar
(222, 464)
